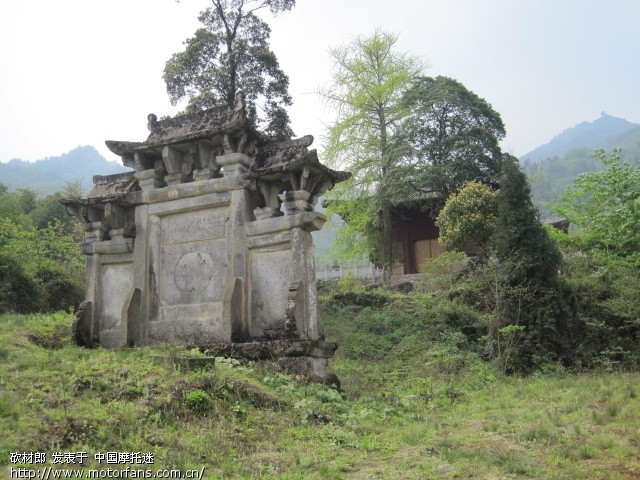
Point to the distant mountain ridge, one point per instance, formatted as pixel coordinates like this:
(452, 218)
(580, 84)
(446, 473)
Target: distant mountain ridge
(591, 135)
(551, 174)
(52, 174)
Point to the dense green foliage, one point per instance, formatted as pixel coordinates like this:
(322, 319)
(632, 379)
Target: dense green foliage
(231, 53)
(606, 207)
(519, 237)
(601, 261)
(41, 266)
(528, 262)
(451, 137)
(578, 309)
(586, 317)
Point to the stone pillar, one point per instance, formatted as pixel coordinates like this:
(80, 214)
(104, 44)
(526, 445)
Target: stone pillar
(303, 278)
(237, 289)
(138, 331)
(84, 326)
(303, 272)
(236, 296)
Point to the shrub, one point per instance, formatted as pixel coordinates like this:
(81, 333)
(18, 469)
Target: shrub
(197, 400)
(440, 274)
(40, 269)
(468, 217)
(19, 291)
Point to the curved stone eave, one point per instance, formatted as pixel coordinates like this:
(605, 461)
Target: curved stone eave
(206, 134)
(120, 199)
(122, 148)
(309, 159)
(154, 146)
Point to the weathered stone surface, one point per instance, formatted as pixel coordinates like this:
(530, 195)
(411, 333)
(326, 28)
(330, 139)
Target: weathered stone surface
(190, 325)
(310, 367)
(116, 282)
(82, 327)
(205, 224)
(193, 247)
(269, 293)
(233, 312)
(192, 272)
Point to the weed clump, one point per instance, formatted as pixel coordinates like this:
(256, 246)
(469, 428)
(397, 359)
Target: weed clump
(197, 400)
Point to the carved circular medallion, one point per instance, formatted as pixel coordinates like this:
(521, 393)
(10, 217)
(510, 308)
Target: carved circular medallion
(193, 272)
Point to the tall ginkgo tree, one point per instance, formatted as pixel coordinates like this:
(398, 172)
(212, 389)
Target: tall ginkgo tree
(369, 80)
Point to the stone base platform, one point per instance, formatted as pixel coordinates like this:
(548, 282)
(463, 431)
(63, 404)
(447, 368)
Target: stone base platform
(308, 358)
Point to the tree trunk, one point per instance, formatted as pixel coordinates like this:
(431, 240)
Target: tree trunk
(385, 204)
(387, 244)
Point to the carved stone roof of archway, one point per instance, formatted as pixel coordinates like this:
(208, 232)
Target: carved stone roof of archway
(225, 130)
(207, 125)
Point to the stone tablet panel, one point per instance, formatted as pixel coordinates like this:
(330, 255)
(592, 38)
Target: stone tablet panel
(116, 286)
(193, 225)
(270, 274)
(192, 273)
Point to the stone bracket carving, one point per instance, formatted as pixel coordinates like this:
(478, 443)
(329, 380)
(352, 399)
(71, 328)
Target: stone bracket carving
(204, 158)
(268, 198)
(141, 161)
(120, 221)
(234, 164)
(179, 166)
(152, 178)
(91, 220)
(104, 221)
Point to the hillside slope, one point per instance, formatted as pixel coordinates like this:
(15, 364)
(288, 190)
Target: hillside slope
(590, 135)
(416, 405)
(550, 177)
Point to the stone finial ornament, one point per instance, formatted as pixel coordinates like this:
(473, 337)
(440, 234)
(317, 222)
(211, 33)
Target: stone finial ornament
(152, 124)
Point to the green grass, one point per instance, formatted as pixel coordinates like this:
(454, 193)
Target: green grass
(416, 404)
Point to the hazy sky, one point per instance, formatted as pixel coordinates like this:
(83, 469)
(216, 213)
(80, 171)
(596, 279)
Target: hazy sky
(78, 72)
